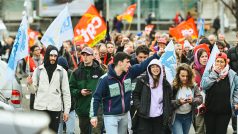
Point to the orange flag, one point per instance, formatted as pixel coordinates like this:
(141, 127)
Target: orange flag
(90, 29)
(128, 14)
(33, 35)
(186, 28)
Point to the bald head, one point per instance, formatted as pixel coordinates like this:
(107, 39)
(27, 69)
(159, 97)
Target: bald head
(212, 38)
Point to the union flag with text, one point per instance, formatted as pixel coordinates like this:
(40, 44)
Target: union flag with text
(90, 29)
(186, 28)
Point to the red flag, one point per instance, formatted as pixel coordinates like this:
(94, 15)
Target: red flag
(186, 28)
(90, 29)
(128, 14)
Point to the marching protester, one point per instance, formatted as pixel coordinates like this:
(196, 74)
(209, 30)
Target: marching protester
(232, 54)
(115, 89)
(201, 55)
(50, 84)
(186, 96)
(83, 83)
(113, 81)
(152, 100)
(220, 84)
(70, 123)
(31, 63)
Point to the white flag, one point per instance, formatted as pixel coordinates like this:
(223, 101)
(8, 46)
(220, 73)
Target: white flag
(19, 49)
(59, 30)
(168, 59)
(212, 58)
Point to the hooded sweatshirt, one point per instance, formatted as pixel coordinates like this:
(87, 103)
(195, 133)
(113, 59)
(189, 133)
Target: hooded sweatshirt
(156, 105)
(50, 68)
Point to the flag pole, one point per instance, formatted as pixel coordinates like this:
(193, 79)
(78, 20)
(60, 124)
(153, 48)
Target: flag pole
(129, 27)
(76, 54)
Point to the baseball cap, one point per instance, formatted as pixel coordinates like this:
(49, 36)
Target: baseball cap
(87, 50)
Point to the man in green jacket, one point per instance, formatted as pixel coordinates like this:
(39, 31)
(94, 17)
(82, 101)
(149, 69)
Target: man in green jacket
(83, 83)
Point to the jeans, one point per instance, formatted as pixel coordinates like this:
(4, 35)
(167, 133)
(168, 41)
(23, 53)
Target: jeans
(182, 123)
(70, 124)
(116, 124)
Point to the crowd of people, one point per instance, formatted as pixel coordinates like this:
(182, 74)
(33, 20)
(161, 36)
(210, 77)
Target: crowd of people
(119, 86)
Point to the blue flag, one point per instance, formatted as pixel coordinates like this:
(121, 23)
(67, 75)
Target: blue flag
(168, 59)
(201, 27)
(19, 49)
(201, 32)
(59, 30)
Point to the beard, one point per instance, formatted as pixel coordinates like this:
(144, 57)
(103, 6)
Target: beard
(52, 61)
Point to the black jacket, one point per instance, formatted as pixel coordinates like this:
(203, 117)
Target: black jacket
(233, 56)
(142, 99)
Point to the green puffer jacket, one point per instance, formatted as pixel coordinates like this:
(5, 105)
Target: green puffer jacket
(84, 78)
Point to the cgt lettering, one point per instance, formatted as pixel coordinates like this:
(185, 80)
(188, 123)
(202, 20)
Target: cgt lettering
(90, 31)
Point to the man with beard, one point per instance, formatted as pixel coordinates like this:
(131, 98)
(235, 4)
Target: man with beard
(50, 84)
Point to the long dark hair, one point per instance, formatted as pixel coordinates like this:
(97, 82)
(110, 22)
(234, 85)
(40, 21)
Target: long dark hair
(156, 79)
(177, 82)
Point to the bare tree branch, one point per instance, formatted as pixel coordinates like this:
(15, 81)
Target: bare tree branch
(229, 7)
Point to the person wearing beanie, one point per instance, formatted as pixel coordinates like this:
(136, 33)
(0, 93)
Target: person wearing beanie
(70, 124)
(50, 82)
(220, 84)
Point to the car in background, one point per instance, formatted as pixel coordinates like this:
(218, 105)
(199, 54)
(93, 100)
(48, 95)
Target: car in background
(11, 90)
(4, 105)
(19, 122)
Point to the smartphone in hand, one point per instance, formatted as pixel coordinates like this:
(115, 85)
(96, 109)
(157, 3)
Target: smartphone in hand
(89, 90)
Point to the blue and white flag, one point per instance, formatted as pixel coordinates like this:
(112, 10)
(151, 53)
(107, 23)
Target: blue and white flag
(201, 27)
(19, 49)
(201, 32)
(212, 58)
(168, 59)
(59, 30)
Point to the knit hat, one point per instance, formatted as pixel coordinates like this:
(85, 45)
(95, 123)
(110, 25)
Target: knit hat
(63, 62)
(223, 56)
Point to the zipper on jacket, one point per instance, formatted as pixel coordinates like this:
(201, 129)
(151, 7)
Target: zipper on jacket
(122, 100)
(122, 94)
(109, 105)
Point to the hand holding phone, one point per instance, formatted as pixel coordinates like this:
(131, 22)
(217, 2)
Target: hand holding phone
(89, 90)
